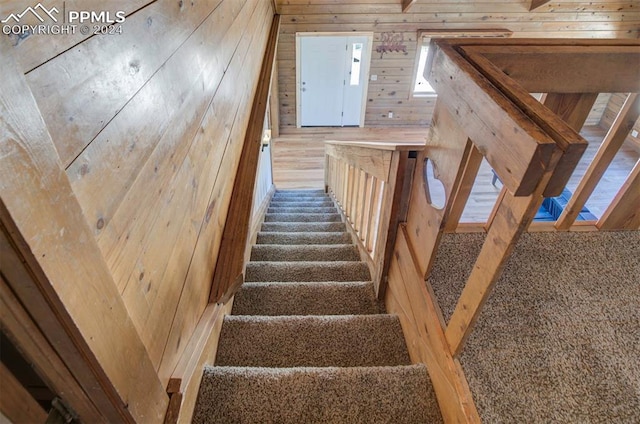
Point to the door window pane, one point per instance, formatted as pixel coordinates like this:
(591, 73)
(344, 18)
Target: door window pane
(356, 59)
(422, 86)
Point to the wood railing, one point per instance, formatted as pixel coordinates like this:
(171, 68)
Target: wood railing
(624, 210)
(367, 180)
(229, 273)
(484, 112)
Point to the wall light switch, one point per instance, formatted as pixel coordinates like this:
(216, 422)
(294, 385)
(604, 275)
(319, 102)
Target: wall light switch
(390, 114)
(634, 133)
(374, 78)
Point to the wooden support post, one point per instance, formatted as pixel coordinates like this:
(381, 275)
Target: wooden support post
(490, 117)
(461, 195)
(413, 300)
(612, 142)
(512, 217)
(228, 274)
(388, 228)
(624, 212)
(573, 108)
(448, 149)
(565, 113)
(373, 211)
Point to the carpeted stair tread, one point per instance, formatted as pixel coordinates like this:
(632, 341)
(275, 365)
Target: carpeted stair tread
(312, 341)
(318, 192)
(307, 204)
(302, 217)
(307, 227)
(308, 341)
(322, 209)
(300, 191)
(306, 198)
(303, 192)
(315, 298)
(318, 252)
(371, 395)
(307, 271)
(302, 238)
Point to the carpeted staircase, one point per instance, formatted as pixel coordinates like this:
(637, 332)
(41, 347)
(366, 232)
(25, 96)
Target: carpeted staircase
(308, 341)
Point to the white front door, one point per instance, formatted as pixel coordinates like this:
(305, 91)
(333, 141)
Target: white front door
(332, 81)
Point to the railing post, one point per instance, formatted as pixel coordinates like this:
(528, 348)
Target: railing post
(389, 219)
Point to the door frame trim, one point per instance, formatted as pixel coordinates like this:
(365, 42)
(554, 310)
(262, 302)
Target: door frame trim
(365, 91)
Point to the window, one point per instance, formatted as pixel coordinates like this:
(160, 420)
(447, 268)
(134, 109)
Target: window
(356, 59)
(421, 87)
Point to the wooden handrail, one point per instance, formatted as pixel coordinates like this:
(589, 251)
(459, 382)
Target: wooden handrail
(367, 180)
(228, 276)
(395, 146)
(484, 112)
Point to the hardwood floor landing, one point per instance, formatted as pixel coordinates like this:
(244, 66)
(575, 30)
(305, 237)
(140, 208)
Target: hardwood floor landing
(298, 162)
(298, 154)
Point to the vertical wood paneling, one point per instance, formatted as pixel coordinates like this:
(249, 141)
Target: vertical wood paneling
(150, 126)
(56, 269)
(394, 70)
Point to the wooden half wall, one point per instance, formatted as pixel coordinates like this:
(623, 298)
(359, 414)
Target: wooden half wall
(395, 69)
(119, 154)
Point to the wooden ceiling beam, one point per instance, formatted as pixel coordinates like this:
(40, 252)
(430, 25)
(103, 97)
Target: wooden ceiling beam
(537, 3)
(406, 4)
(567, 69)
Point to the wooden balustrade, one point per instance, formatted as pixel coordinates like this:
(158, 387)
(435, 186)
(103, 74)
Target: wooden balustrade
(367, 180)
(484, 111)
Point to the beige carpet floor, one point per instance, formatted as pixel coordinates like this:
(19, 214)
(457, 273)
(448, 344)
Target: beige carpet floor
(559, 338)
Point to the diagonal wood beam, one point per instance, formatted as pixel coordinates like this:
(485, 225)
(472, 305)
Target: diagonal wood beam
(406, 4)
(612, 142)
(537, 3)
(623, 212)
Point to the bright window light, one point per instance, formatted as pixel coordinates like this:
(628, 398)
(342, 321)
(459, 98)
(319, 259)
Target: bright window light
(356, 59)
(422, 86)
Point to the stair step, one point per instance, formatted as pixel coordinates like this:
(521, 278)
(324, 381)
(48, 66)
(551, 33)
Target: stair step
(322, 209)
(300, 198)
(312, 341)
(322, 298)
(302, 217)
(287, 204)
(318, 252)
(310, 227)
(307, 271)
(301, 191)
(301, 238)
(359, 395)
(300, 194)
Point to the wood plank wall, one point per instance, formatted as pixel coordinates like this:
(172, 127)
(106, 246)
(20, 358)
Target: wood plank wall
(390, 93)
(149, 126)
